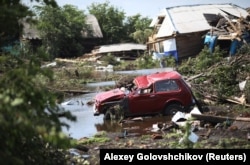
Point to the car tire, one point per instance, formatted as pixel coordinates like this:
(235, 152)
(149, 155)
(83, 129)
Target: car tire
(108, 114)
(172, 109)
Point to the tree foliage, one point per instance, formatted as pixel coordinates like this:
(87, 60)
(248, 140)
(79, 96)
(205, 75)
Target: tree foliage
(138, 28)
(62, 30)
(116, 28)
(11, 12)
(110, 20)
(30, 127)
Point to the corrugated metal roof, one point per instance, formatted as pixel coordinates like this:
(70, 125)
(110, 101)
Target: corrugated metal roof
(121, 47)
(187, 19)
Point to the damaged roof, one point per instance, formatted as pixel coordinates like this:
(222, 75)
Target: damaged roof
(121, 47)
(145, 81)
(191, 18)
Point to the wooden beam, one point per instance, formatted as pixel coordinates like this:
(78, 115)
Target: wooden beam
(218, 119)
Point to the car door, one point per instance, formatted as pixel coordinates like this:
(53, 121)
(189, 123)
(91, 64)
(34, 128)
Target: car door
(142, 102)
(165, 91)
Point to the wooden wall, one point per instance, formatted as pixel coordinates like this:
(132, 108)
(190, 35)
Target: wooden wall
(189, 45)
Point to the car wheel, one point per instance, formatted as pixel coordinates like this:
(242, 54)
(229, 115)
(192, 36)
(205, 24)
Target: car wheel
(108, 114)
(172, 109)
(114, 113)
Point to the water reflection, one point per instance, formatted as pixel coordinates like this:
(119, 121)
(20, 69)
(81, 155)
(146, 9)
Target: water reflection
(84, 126)
(140, 126)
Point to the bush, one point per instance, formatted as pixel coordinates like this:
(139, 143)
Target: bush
(30, 127)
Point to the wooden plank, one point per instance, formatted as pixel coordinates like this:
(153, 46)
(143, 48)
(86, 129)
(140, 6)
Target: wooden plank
(237, 102)
(218, 119)
(224, 37)
(212, 119)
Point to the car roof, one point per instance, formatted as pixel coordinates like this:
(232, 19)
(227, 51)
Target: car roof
(146, 80)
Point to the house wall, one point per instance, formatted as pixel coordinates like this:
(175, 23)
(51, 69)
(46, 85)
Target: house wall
(189, 45)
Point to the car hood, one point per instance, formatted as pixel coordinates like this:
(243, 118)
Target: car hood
(110, 95)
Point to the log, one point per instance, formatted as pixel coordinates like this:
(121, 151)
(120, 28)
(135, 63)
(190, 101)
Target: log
(194, 77)
(219, 119)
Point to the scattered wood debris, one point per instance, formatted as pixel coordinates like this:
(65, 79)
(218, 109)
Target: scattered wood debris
(230, 28)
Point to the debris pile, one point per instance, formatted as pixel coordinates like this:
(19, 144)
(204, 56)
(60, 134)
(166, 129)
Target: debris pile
(231, 28)
(227, 81)
(228, 28)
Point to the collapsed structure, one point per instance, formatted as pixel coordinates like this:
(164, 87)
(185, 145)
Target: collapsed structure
(182, 31)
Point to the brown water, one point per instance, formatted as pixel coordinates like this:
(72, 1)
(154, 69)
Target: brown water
(137, 126)
(88, 125)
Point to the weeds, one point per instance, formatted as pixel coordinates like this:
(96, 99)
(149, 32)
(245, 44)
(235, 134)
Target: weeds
(100, 137)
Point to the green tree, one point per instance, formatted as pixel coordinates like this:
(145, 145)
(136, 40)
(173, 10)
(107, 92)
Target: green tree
(110, 20)
(11, 12)
(129, 25)
(29, 124)
(62, 30)
(30, 127)
(138, 28)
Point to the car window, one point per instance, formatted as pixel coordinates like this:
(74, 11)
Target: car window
(166, 85)
(146, 90)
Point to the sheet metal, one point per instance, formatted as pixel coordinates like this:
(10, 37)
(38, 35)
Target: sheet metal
(188, 19)
(121, 47)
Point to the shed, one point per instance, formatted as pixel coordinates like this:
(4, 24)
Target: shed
(179, 31)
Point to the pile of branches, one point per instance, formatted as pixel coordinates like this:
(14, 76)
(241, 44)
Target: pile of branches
(220, 82)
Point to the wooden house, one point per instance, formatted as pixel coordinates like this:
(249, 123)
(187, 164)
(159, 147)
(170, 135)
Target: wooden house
(180, 31)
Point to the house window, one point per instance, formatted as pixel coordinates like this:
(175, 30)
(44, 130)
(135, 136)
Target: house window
(161, 47)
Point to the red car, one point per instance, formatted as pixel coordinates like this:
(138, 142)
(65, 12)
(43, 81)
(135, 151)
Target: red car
(159, 93)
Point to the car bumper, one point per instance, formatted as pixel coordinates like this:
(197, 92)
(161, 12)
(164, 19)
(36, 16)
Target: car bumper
(96, 113)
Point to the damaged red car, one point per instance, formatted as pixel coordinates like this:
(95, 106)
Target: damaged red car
(159, 93)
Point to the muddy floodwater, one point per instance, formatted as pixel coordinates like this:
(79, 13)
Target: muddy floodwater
(88, 125)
